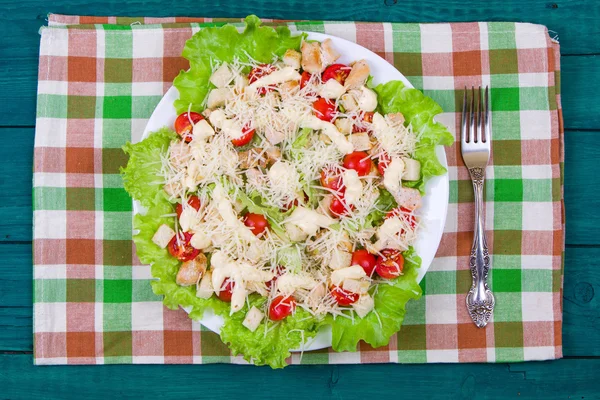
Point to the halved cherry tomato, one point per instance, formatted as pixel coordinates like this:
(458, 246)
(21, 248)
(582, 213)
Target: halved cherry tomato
(365, 259)
(339, 72)
(331, 179)
(281, 307)
(247, 135)
(343, 297)
(193, 201)
(405, 214)
(358, 161)
(258, 72)
(226, 290)
(324, 109)
(294, 203)
(182, 249)
(256, 222)
(185, 123)
(383, 162)
(304, 79)
(390, 264)
(339, 208)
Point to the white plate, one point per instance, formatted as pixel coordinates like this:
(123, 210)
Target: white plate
(435, 203)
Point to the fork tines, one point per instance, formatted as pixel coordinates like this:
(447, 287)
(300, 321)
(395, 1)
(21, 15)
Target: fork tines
(477, 112)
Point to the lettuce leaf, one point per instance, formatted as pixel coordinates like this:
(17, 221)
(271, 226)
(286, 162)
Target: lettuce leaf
(419, 111)
(386, 318)
(141, 175)
(271, 348)
(225, 43)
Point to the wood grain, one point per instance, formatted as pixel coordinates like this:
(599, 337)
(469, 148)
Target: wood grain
(548, 380)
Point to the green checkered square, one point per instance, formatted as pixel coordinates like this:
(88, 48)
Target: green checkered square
(446, 99)
(508, 190)
(504, 61)
(142, 106)
(537, 190)
(116, 199)
(116, 316)
(81, 290)
(112, 162)
(506, 280)
(440, 282)
(82, 107)
(501, 36)
(51, 106)
(507, 152)
(406, 38)
(117, 290)
(118, 43)
(415, 311)
(411, 64)
(537, 280)
(115, 275)
(505, 126)
(112, 181)
(508, 215)
(509, 354)
(117, 252)
(142, 290)
(463, 280)
(504, 81)
(505, 99)
(50, 291)
(118, 70)
(501, 261)
(117, 346)
(117, 89)
(115, 132)
(117, 225)
(49, 198)
(315, 357)
(313, 26)
(509, 306)
(412, 337)
(454, 192)
(534, 98)
(117, 107)
(81, 199)
(412, 356)
(508, 242)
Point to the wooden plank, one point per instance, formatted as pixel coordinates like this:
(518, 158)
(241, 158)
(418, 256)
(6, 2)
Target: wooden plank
(581, 302)
(549, 380)
(580, 85)
(25, 17)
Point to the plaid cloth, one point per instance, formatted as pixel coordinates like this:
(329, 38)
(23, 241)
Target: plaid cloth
(100, 79)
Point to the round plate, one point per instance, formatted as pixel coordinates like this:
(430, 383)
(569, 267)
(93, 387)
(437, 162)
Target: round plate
(435, 203)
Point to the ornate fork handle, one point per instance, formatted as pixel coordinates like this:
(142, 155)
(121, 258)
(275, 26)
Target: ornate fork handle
(480, 300)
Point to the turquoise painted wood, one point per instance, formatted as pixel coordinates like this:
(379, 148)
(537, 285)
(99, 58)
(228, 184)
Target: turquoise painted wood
(575, 21)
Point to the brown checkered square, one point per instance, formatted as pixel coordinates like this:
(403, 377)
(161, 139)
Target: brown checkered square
(80, 161)
(81, 69)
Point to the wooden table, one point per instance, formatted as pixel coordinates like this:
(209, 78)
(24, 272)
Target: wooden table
(575, 376)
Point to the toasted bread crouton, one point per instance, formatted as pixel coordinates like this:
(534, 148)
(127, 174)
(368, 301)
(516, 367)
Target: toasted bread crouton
(360, 141)
(191, 271)
(329, 54)
(311, 57)
(292, 58)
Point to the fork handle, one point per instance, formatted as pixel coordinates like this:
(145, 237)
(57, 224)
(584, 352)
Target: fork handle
(480, 300)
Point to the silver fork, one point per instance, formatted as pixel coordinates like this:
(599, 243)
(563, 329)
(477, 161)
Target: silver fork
(475, 146)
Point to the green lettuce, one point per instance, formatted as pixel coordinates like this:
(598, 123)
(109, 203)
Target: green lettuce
(141, 176)
(270, 344)
(225, 43)
(387, 316)
(419, 111)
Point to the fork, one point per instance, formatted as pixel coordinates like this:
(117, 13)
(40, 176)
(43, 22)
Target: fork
(475, 146)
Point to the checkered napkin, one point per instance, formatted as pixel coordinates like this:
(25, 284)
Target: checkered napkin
(100, 78)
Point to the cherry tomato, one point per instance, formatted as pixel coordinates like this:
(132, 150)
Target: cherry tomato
(182, 249)
(256, 222)
(405, 214)
(324, 109)
(281, 307)
(260, 71)
(294, 203)
(339, 208)
(193, 201)
(304, 79)
(343, 297)
(383, 162)
(390, 264)
(339, 72)
(358, 161)
(185, 123)
(366, 117)
(331, 179)
(226, 290)
(247, 135)
(365, 259)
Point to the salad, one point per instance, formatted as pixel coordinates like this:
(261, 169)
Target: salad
(286, 195)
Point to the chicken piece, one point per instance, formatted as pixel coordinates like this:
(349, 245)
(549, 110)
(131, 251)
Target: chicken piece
(354, 272)
(408, 197)
(222, 76)
(273, 154)
(344, 125)
(348, 101)
(252, 158)
(163, 236)
(361, 141)
(329, 54)
(205, 289)
(289, 88)
(358, 75)
(253, 319)
(396, 118)
(294, 233)
(311, 57)
(292, 58)
(356, 285)
(218, 97)
(191, 271)
(412, 170)
(393, 175)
